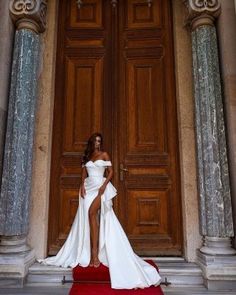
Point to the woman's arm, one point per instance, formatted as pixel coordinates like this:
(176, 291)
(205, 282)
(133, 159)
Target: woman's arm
(83, 176)
(109, 174)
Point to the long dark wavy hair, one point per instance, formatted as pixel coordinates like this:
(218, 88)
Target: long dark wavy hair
(90, 147)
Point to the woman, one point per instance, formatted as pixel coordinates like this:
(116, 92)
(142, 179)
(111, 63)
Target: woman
(96, 235)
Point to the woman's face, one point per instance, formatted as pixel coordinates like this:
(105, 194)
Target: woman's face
(97, 143)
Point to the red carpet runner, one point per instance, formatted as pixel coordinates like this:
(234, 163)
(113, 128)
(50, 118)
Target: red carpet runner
(93, 281)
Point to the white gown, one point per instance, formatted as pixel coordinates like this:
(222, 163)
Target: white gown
(127, 270)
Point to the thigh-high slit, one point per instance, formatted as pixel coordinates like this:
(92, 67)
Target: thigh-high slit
(94, 229)
(127, 270)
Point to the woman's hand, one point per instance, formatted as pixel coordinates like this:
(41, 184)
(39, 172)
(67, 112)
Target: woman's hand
(82, 190)
(101, 189)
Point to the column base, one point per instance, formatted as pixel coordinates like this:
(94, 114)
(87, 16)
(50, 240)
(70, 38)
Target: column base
(217, 246)
(219, 271)
(15, 259)
(13, 244)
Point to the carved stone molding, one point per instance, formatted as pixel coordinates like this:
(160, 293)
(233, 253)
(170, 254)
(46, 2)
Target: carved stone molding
(30, 14)
(201, 12)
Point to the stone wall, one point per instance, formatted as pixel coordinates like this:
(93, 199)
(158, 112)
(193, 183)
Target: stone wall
(187, 144)
(6, 43)
(38, 231)
(227, 43)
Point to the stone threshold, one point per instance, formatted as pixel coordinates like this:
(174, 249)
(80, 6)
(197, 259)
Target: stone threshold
(174, 270)
(64, 290)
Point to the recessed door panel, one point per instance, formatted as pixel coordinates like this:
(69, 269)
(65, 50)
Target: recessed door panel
(115, 74)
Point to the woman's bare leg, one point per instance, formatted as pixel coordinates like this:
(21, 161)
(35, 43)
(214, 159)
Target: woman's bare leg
(94, 232)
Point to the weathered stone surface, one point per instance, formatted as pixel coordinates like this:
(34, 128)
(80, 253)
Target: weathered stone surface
(16, 181)
(215, 199)
(3, 115)
(202, 12)
(29, 14)
(6, 45)
(226, 28)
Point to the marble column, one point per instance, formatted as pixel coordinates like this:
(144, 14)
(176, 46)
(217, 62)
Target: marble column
(15, 255)
(216, 223)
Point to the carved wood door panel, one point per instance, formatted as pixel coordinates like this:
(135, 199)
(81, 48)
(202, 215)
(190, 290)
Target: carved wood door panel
(115, 74)
(149, 191)
(82, 105)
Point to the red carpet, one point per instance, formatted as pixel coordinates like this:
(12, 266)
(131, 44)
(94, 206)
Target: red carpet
(93, 281)
(90, 274)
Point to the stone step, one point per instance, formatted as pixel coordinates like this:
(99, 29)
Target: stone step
(64, 290)
(45, 275)
(178, 272)
(194, 290)
(175, 270)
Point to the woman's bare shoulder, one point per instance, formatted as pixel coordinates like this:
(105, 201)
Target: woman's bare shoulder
(105, 156)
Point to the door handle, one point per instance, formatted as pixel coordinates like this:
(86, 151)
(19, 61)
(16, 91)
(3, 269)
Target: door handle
(122, 170)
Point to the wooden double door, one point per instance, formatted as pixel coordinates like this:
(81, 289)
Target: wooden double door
(115, 75)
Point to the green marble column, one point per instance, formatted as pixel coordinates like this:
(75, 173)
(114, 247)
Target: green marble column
(15, 255)
(213, 174)
(16, 180)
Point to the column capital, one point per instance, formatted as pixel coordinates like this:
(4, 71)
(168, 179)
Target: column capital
(201, 12)
(29, 14)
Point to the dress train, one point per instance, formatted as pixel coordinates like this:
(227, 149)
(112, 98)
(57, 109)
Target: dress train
(127, 270)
